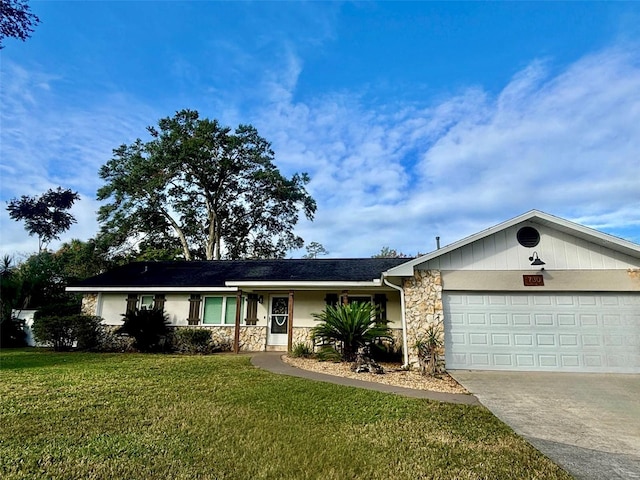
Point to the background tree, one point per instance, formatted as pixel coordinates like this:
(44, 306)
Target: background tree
(314, 249)
(386, 252)
(11, 330)
(214, 192)
(40, 280)
(16, 20)
(45, 216)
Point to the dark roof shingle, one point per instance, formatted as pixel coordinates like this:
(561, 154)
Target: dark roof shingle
(216, 273)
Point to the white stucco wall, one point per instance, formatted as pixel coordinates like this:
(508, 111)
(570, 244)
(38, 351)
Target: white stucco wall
(111, 306)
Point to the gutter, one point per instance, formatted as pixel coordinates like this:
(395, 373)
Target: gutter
(405, 347)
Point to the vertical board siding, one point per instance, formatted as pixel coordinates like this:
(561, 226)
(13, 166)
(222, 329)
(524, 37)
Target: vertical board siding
(501, 251)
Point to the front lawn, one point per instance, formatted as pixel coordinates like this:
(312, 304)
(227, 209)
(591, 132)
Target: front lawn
(135, 416)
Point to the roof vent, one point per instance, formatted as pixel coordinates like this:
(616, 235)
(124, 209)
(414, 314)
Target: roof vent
(528, 237)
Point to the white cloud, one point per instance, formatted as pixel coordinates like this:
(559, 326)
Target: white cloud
(384, 175)
(567, 143)
(51, 139)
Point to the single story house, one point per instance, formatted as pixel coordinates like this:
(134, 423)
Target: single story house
(536, 293)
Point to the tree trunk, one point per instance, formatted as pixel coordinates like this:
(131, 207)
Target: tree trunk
(212, 248)
(183, 240)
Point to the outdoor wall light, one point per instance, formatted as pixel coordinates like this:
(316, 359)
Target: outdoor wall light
(535, 259)
(260, 299)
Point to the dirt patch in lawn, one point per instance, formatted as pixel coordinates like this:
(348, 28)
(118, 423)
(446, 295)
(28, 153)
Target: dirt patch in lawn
(393, 375)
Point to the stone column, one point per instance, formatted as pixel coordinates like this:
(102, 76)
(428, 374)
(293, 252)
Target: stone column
(423, 306)
(89, 304)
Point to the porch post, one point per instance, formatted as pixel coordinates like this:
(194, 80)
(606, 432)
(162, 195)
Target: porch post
(290, 329)
(236, 333)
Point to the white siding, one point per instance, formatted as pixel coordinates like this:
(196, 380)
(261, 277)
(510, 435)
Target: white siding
(559, 250)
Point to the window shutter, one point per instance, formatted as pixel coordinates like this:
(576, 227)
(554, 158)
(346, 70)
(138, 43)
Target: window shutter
(194, 309)
(331, 299)
(380, 301)
(132, 303)
(252, 309)
(158, 302)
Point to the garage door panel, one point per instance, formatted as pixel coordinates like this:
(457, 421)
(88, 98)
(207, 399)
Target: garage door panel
(568, 340)
(546, 340)
(543, 319)
(567, 319)
(560, 332)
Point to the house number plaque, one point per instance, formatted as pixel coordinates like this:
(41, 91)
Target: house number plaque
(533, 280)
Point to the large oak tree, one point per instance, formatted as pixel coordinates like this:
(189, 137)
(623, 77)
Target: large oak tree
(214, 192)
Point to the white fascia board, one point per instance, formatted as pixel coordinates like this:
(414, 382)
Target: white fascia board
(151, 289)
(294, 285)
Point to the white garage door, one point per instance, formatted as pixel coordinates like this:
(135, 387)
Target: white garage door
(545, 332)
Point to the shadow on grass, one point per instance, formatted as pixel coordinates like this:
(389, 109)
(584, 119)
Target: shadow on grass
(39, 357)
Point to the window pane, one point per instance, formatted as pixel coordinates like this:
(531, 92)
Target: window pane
(230, 312)
(212, 310)
(360, 299)
(146, 302)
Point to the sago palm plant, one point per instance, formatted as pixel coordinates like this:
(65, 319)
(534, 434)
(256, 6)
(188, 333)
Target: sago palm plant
(350, 327)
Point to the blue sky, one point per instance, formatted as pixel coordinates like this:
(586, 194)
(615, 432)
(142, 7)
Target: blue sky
(414, 120)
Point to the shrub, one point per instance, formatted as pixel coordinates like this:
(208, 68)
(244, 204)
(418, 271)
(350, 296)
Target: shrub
(222, 345)
(192, 340)
(63, 333)
(12, 334)
(350, 326)
(88, 331)
(301, 350)
(149, 329)
(110, 341)
(386, 351)
(58, 310)
(429, 347)
(328, 354)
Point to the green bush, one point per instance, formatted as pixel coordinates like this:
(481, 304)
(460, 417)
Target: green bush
(350, 327)
(149, 329)
(114, 342)
(429, 348)
(301, 350)
(328, 354)
(58, 310)
(386, 351)
(192, 340)
(63, 333)
(12, 334)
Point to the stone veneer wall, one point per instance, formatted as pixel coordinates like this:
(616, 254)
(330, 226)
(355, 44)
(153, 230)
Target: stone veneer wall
(252, 338)
(423, 306)
(302, 335)
(89, 304)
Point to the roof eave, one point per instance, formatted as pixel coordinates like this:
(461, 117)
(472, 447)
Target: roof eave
(98, 289)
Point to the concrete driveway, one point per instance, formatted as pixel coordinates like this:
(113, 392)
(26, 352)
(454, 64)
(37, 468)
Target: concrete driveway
(587, 423)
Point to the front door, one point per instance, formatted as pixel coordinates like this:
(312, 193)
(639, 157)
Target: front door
(278, 321)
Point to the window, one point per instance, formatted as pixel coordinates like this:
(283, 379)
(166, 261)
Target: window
(359, 299)
(146, 302)
(219, 311)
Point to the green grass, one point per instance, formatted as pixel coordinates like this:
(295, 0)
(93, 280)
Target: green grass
(111, 416)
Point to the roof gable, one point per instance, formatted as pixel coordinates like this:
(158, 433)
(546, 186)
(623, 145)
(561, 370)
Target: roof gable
(563, 245)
